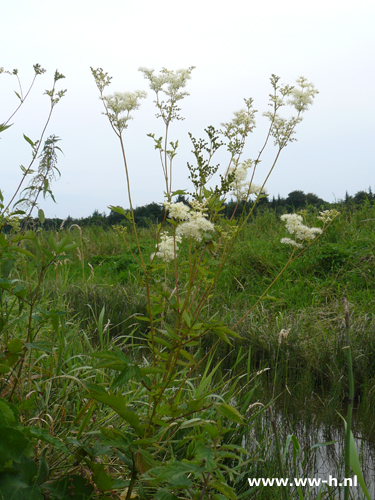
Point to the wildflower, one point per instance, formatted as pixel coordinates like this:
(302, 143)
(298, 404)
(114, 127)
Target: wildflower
(195, 221)
(288, 241)
(122, 102)
(167, 247)
(304, 96)
(195, 226)
(177, 210)
(301, 232)
(240, 187)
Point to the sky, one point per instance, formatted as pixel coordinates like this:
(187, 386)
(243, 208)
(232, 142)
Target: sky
(235, 47)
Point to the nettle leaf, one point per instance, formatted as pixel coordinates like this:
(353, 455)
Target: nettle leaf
(230, 413)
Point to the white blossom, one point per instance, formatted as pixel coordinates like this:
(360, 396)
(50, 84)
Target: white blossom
(195, 226)
(177, 210)
(241, 188)
(288, 241)
(294, 225)
(167, 247)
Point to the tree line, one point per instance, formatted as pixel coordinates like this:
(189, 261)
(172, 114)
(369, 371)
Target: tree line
(153, 213)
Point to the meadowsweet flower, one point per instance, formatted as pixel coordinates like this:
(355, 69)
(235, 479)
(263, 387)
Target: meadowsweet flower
(177, 210)
(294, 225)
(194, 220)
(166, 248)
(240, 187)
(304, 96)
(288, 241)
(195, 226)
(119, 103)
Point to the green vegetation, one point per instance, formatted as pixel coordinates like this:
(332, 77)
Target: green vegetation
(143, 360)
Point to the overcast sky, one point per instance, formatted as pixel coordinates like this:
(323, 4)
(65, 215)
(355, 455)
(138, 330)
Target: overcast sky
(235, 47)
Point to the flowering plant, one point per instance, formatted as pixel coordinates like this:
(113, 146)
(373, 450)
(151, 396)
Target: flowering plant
(192, 245)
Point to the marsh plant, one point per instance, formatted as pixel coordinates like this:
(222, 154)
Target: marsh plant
(180, 437)
(147, 414)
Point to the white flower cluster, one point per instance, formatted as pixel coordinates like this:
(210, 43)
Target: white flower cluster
(194, 224)
(166, 248)
(293, 223)
(328, 215)
(195, 220)
(178, 211)
(304, 96)
(119, 103)
(240, 187)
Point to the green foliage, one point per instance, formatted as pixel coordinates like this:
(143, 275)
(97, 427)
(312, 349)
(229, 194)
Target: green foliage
(129, 356)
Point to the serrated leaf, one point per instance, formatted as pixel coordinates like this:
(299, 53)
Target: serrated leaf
(229, 412)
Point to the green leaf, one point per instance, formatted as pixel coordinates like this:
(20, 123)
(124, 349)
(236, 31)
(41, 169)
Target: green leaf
(7, 417)
(41, 345)
(41, 216)
(226, 490)
(71, 487)
(14, 487)
(117, 403)
(164, 494)
(13, 443)
(27, 139)
(230, 413)
(3, 240)
(102, 480)
(27, 468)
(355, 464)
(15, 346)
(118, 210)
(131, 371)
(4, 127)
(4, 368)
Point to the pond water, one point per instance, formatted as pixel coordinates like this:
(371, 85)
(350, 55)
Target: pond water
(312, 425)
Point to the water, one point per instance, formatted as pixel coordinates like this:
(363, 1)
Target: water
(312, 423)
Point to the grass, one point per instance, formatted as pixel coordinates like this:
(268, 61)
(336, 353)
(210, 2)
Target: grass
(96, 294)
